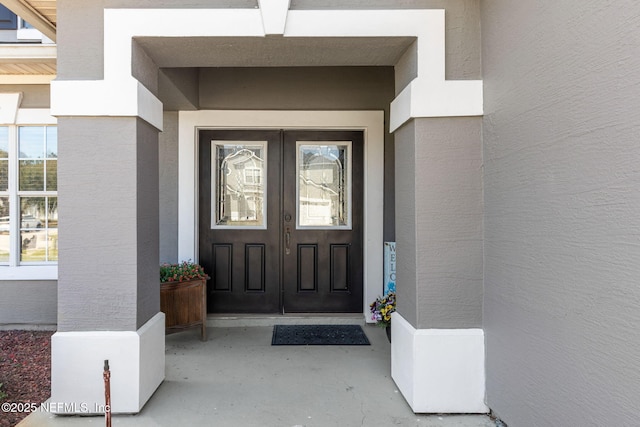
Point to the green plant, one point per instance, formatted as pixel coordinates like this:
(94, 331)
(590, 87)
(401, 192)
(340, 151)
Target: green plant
(2, 393)
(382, 308)
(181, 272)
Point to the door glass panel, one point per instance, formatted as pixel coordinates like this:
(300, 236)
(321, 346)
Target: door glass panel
(239, 183)
(324, 184)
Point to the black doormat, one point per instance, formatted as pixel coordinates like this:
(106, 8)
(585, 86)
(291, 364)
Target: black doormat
(318, 335)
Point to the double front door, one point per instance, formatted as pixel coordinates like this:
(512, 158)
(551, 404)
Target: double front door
(280, 220)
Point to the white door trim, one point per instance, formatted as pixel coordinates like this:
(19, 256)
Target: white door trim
(371, 122)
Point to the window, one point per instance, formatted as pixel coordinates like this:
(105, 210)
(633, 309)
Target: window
(25, 25)
(8, 19)
(28, 195)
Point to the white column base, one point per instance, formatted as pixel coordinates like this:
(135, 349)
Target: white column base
(438, 370)
(136, 361)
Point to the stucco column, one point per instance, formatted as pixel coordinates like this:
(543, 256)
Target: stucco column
(108, 291)
(438, 343)
(108, 179)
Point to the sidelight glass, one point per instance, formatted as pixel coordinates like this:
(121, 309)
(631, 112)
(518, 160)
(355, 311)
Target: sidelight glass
(239, 183)
(324, 184)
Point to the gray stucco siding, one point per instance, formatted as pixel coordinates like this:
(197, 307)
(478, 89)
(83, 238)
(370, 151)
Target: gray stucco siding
(143, 68)
(439, 222)
(104, 215)
(147, 211)
(296, 88)
(28, 304)
(168, 188)
(562, 258)
(33, 96)
(406, 241)
(80, 39)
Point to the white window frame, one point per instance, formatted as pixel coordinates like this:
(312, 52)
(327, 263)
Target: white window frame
(14, 270)
(24, 33)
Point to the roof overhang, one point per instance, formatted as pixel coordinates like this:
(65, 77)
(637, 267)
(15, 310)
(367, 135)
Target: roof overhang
(39, 13)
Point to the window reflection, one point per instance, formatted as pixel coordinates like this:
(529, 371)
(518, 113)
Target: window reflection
(240, 178)
(4, 229)
(4, 158)
(38, 153)
(323, 186)
(38, 228)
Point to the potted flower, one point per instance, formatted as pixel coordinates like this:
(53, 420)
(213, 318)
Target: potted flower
(381, 310)
(183, 296)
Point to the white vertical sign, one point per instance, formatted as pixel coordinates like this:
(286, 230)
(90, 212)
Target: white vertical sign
(389, 267)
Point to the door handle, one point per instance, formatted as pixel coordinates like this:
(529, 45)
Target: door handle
(287, 241)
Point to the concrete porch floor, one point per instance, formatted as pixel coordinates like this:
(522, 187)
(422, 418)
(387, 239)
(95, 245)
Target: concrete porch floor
(238, 379)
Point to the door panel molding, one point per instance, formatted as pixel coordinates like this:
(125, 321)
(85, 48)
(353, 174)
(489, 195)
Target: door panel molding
(307, 271)
(254, 267)
(340, 267)
(371, 122)
(223, 266)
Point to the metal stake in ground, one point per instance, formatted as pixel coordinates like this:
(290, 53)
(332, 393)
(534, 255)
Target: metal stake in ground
(107, 393)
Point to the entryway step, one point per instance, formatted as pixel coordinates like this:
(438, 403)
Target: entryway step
(244, 320)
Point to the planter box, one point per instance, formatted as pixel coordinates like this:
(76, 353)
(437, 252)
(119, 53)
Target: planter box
(184, 305)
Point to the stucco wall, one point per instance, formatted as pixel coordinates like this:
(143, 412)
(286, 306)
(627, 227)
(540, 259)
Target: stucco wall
(562, 224)
(109, 253)
(168, 180)
(405, 169)
(147, 219)
(296, 88)
(33, 96)
(28, 304)
(81, 28)
(439, 222)
(143, 68)
(80, 39)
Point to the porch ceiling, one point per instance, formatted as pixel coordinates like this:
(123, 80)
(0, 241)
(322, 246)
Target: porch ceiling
(274, 51)
(27, 63)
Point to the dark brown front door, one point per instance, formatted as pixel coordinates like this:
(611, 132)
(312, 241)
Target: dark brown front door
(281, 220)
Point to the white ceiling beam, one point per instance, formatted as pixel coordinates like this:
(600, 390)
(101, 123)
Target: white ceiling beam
(32, 16)
(28, 53)
(26, 79)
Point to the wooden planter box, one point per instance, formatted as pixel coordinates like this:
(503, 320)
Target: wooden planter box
(184, 305)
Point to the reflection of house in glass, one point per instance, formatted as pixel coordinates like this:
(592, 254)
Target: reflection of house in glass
(322, 187)
(240, 185)
(39, 229)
